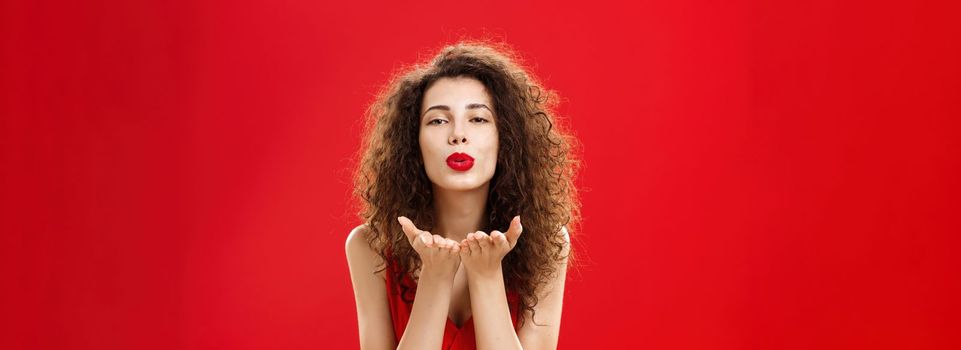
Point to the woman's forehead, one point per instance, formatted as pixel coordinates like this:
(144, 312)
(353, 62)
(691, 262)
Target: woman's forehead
(455, 93)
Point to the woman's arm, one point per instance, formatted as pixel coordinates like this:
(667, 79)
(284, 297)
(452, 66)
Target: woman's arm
(440, 259)
(492, 323)
(370, 293)
(492, 318)
(481, 255)
(428, 317)
(425, 328)
(548, 308)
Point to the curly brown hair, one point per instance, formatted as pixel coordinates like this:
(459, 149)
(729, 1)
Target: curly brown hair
(534, 178)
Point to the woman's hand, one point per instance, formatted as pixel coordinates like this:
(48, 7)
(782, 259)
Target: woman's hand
(438, 255)
(482, 253)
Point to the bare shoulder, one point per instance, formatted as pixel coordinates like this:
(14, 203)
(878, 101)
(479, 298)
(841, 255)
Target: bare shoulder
(567, 240)
(357, 238)
(370, 292)
(544, 333)
(358, 249)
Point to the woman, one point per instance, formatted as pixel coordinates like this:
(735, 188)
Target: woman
(466, 185)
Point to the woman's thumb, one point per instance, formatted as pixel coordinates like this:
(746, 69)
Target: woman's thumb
(514, 231)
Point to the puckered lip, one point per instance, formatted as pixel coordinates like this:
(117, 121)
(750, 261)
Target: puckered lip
(459, 157)
(460, 161)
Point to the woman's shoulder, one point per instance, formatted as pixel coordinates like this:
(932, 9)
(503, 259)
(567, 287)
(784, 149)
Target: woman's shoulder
(361, 254)
(566, 237)
(359, 250)
(357, 239)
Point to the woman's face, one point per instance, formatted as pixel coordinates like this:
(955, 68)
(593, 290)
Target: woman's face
(458, 134)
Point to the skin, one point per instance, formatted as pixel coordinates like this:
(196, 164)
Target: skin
(461, 275)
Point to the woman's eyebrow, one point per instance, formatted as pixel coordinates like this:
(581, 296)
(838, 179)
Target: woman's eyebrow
(446, 108)
(479, 105)
(440, 107)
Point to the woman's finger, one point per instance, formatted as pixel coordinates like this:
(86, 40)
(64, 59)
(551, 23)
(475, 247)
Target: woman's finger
(499, 240)
(472, 240)
(452, 246)
(514, 232)
(483, 240)
(419, 242)
(437, 241)
(465, 248)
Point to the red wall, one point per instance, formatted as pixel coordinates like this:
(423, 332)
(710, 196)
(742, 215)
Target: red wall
(758, 175)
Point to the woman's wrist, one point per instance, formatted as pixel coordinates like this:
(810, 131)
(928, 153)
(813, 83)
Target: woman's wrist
(437, 273)
(492, 273)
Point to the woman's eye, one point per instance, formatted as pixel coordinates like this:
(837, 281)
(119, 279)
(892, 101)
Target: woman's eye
(479, 119)
(436, 122)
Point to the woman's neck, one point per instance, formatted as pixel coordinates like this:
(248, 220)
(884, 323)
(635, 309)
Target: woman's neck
(458, 212)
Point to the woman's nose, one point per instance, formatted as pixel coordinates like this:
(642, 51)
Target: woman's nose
(457, 135)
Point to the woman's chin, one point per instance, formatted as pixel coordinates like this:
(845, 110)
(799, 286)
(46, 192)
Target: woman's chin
(462, 185)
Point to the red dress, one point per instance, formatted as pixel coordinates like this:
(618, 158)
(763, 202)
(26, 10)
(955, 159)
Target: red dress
(454, 338)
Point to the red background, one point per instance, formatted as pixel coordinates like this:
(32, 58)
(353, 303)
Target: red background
(758, 174)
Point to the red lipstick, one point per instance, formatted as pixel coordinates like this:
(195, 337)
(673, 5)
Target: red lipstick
(460, 161)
